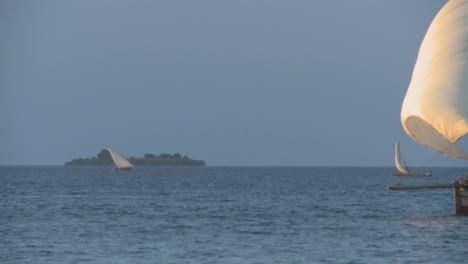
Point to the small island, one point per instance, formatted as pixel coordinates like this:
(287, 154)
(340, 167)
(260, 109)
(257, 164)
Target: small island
(104, 158)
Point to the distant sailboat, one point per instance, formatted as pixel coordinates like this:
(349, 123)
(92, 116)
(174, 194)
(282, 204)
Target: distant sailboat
(120, 162)
(402, 169)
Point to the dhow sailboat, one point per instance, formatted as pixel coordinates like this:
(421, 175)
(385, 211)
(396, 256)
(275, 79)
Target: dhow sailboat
(120, 162)
(404, 170)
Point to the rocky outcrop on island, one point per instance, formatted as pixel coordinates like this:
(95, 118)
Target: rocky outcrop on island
(103, 158)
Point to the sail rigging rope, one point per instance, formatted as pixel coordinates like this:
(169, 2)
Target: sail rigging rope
(436, 155)
(430, 160)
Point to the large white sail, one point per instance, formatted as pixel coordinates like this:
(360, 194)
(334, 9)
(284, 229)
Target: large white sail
(435, 109)
(120, 161)
(398, 164)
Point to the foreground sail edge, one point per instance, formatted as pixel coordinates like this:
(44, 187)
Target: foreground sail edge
(435, 108)
(434, 112)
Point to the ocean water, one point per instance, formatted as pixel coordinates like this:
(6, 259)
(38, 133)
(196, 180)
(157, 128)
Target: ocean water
(226, 215)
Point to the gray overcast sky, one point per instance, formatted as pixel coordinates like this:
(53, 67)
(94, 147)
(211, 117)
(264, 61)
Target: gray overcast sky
(247, 82)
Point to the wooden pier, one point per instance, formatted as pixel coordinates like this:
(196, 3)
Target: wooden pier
(459, 187)
(415, 187)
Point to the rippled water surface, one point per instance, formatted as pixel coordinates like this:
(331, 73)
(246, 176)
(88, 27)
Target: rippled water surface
(226, 215)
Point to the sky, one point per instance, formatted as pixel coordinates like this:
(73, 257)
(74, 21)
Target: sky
(234, 83)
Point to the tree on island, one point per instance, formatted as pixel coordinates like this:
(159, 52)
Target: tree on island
(104, 154)
(149, 156)
(165, 156)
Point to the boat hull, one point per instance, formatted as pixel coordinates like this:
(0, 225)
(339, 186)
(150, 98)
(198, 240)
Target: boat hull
(122, 169)
(400, 174)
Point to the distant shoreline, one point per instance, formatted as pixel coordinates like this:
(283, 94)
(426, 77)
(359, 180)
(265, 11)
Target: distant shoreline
(103, 158)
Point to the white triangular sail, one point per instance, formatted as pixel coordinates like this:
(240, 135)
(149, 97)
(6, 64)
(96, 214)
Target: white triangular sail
(435, 109)
(120, 161)
(398, 163)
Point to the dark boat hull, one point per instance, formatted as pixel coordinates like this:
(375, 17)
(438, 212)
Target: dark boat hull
(425, 174)
(122, 169)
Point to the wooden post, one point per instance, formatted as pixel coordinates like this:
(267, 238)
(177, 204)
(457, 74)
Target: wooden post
(460, 197)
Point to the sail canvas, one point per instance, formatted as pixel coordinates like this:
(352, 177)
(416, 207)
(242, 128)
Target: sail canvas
(120, 161)
(398, 163)
(435, 109)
